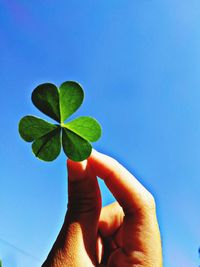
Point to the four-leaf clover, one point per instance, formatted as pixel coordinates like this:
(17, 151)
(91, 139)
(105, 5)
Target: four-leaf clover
(59, 104)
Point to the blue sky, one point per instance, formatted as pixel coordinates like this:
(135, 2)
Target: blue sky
(139, 63)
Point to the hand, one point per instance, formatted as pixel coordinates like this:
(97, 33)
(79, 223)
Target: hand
(123, 234)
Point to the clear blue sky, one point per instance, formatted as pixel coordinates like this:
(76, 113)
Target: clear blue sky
(139, 63)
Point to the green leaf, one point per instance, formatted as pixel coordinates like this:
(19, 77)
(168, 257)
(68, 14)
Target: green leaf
(71, 97)
(59, 104)
(48, 146)
(74, 146)
(86, 127)
(46, 98)
(31, 128)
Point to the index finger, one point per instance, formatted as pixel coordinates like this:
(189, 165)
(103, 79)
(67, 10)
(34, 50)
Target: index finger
(127, 190)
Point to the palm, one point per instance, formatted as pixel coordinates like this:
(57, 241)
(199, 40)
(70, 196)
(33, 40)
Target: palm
(112, 228)
(111, 244)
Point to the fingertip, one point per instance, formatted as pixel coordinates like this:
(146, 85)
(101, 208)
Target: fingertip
(94, 152)
(96, 155)
(76, 170)
(102, 164)
(75, 164)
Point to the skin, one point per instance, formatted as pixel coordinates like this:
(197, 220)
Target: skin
(123, 234)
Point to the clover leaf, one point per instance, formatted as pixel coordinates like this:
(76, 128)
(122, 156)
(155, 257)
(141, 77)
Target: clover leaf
(59, 104)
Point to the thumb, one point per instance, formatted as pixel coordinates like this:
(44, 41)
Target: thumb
(84, 198)
(84, 205)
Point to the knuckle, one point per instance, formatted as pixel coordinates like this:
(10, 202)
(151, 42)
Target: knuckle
(78, 204)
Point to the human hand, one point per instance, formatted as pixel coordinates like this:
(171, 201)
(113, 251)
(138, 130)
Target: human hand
(123, 234)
